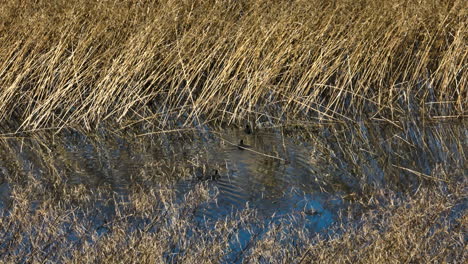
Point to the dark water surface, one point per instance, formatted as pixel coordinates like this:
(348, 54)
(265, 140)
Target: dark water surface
(275, 175)
(282, 173)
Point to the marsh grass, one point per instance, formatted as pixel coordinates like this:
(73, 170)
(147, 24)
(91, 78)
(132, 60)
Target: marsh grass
(152, 226)
(78, 63)
(426, 227)
(46, 217)
(167, 66)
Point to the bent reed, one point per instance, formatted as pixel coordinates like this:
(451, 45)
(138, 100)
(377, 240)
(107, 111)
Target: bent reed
(78, 63)
(151, 226)
(170, 65)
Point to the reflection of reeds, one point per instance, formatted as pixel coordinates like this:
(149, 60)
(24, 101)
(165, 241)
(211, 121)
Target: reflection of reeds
(45, 217)
(374, 155)
(82, 62)
(160, 63)
(151, 226)
(352, 158)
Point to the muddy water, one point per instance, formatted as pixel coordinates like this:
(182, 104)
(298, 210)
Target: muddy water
(279, 172)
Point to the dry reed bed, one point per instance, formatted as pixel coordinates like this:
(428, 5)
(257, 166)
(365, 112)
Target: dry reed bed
(70, 63)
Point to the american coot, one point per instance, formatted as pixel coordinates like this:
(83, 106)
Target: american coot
(199, 173)
(215, 176)
(248, 129)
(242, 145)
(202, 176)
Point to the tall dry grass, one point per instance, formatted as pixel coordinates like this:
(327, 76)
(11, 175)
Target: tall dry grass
(78, 63)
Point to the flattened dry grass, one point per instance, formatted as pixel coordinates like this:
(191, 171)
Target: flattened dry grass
(151, 226)
(46, 217)
(78, 63)
(429, 227)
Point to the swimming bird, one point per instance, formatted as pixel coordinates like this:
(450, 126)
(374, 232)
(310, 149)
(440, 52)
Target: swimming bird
(199, 173)
(248, 129)
(202, 175)
(242, 145)
(215, 176)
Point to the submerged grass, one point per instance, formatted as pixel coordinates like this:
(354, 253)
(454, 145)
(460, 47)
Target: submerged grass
(177, 64)
(45, 216)
(150, 226)
(78, 63)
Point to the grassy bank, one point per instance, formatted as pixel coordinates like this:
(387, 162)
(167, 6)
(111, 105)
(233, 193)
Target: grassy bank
(70, 63)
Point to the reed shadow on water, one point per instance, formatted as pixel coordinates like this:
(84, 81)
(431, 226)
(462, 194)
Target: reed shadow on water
(330, 170)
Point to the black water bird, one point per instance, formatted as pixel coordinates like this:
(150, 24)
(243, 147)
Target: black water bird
(242, 145)
(202, 175)
(248, 129)
(215, 176)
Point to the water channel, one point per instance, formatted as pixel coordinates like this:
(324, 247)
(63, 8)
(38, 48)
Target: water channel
(281, 173)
